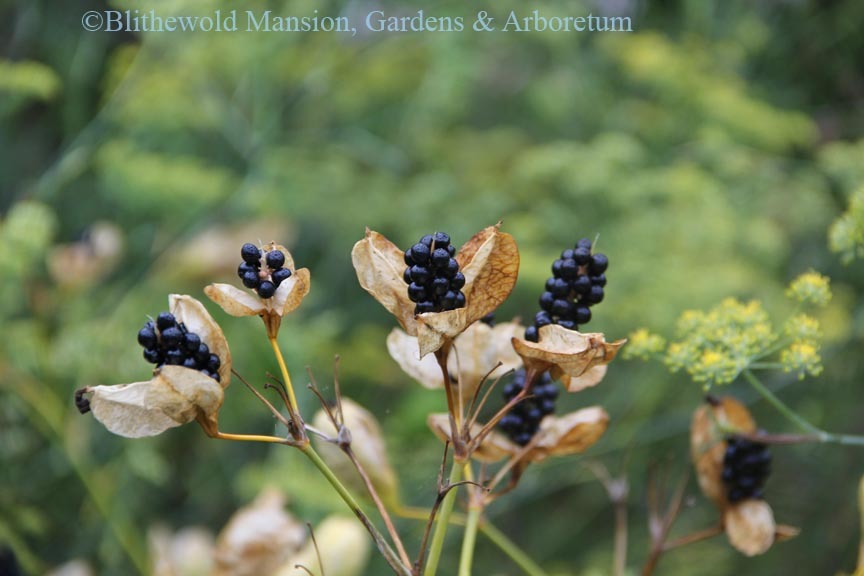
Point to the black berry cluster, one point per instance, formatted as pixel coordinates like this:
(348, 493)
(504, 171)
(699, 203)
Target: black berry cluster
(523, 421)
(577, 282)
(433, 277)
(264, 277)
(167, 341)
(746, 466)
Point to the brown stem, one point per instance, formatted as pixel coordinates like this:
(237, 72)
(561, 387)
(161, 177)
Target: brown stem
(459, 451)
(530, 376)
(665, 524)
(385, 516)
(697, 536)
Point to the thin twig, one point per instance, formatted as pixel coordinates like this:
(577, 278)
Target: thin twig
(315, 545)
(261, 397)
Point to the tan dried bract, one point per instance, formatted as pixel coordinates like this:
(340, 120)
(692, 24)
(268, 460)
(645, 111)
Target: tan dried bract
(489, 261)
(288, 296)
(578, 360)
(258, 539)
(477, 352)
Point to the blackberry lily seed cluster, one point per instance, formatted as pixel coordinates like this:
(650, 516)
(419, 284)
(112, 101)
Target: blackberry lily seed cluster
(262, 271)
(433, 277)
(523, 421)
(746, 467)
(167, 342)
(577, 282)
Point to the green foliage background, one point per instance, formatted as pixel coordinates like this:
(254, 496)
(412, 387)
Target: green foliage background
(710, 151)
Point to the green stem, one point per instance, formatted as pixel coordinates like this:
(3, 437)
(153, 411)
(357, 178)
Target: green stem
(469, 537)
(442, 522)
(821, 435)
(381, 543)
(525, 562)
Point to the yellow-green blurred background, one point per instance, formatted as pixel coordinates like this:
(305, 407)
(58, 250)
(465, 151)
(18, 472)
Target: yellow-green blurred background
(710, 150)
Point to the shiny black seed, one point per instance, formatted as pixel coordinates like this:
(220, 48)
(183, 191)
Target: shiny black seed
(174, 357)
(191, 342)
(488, 319)
(452, 268)
(523, 438)
(580, 285)
(275, 259)
(442, 239)
(582, 255)
(569, 269)
(542, 319)
(171, 337)
(510, 422)
(251, 279)
(440, 258)
(560, 288)
(246, 268)
(594, 296)
(531, 334)
(152, 356)
(83, 406)
(599, 263)
(419, 274)
(266, 289)
(420, 253)
(406, 276)
(561, 307)
(424, 306)
(190, 362)
(214, 363)
(458, 281)
(416, 293)
(165, 320)
(427, 240)
(546, 300)
(599, 280)
(250, 253)
(582, 314)
(448, 301)
(550, 283)
(280, 276)
(440, 286)
(451, 250)
(556, 268)
(409, 257)
(147, 337)
(584, 243)
(567, 254)
(460, 301)
(568, 324)
(203, 354)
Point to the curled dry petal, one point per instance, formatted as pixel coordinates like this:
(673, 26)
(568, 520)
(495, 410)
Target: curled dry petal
(379, 265)
(569, 354)
(175, 396)
(494, 447)
(750, 526)
(367, 443)
(258, 539)
(572, 433)
(477, 351)
(195, 317)
(489, 261)
(344, 548)
(712, 422)
(558, 436)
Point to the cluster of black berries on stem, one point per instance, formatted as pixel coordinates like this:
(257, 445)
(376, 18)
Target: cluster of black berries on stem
(264, 277)
(433, 277)
(523, 420)
(577, 282)
(746, 466)
(167, 341)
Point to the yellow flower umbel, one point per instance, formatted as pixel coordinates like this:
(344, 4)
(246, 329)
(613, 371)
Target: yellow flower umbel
(810, 288)
(747, 519)
(716, 346)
